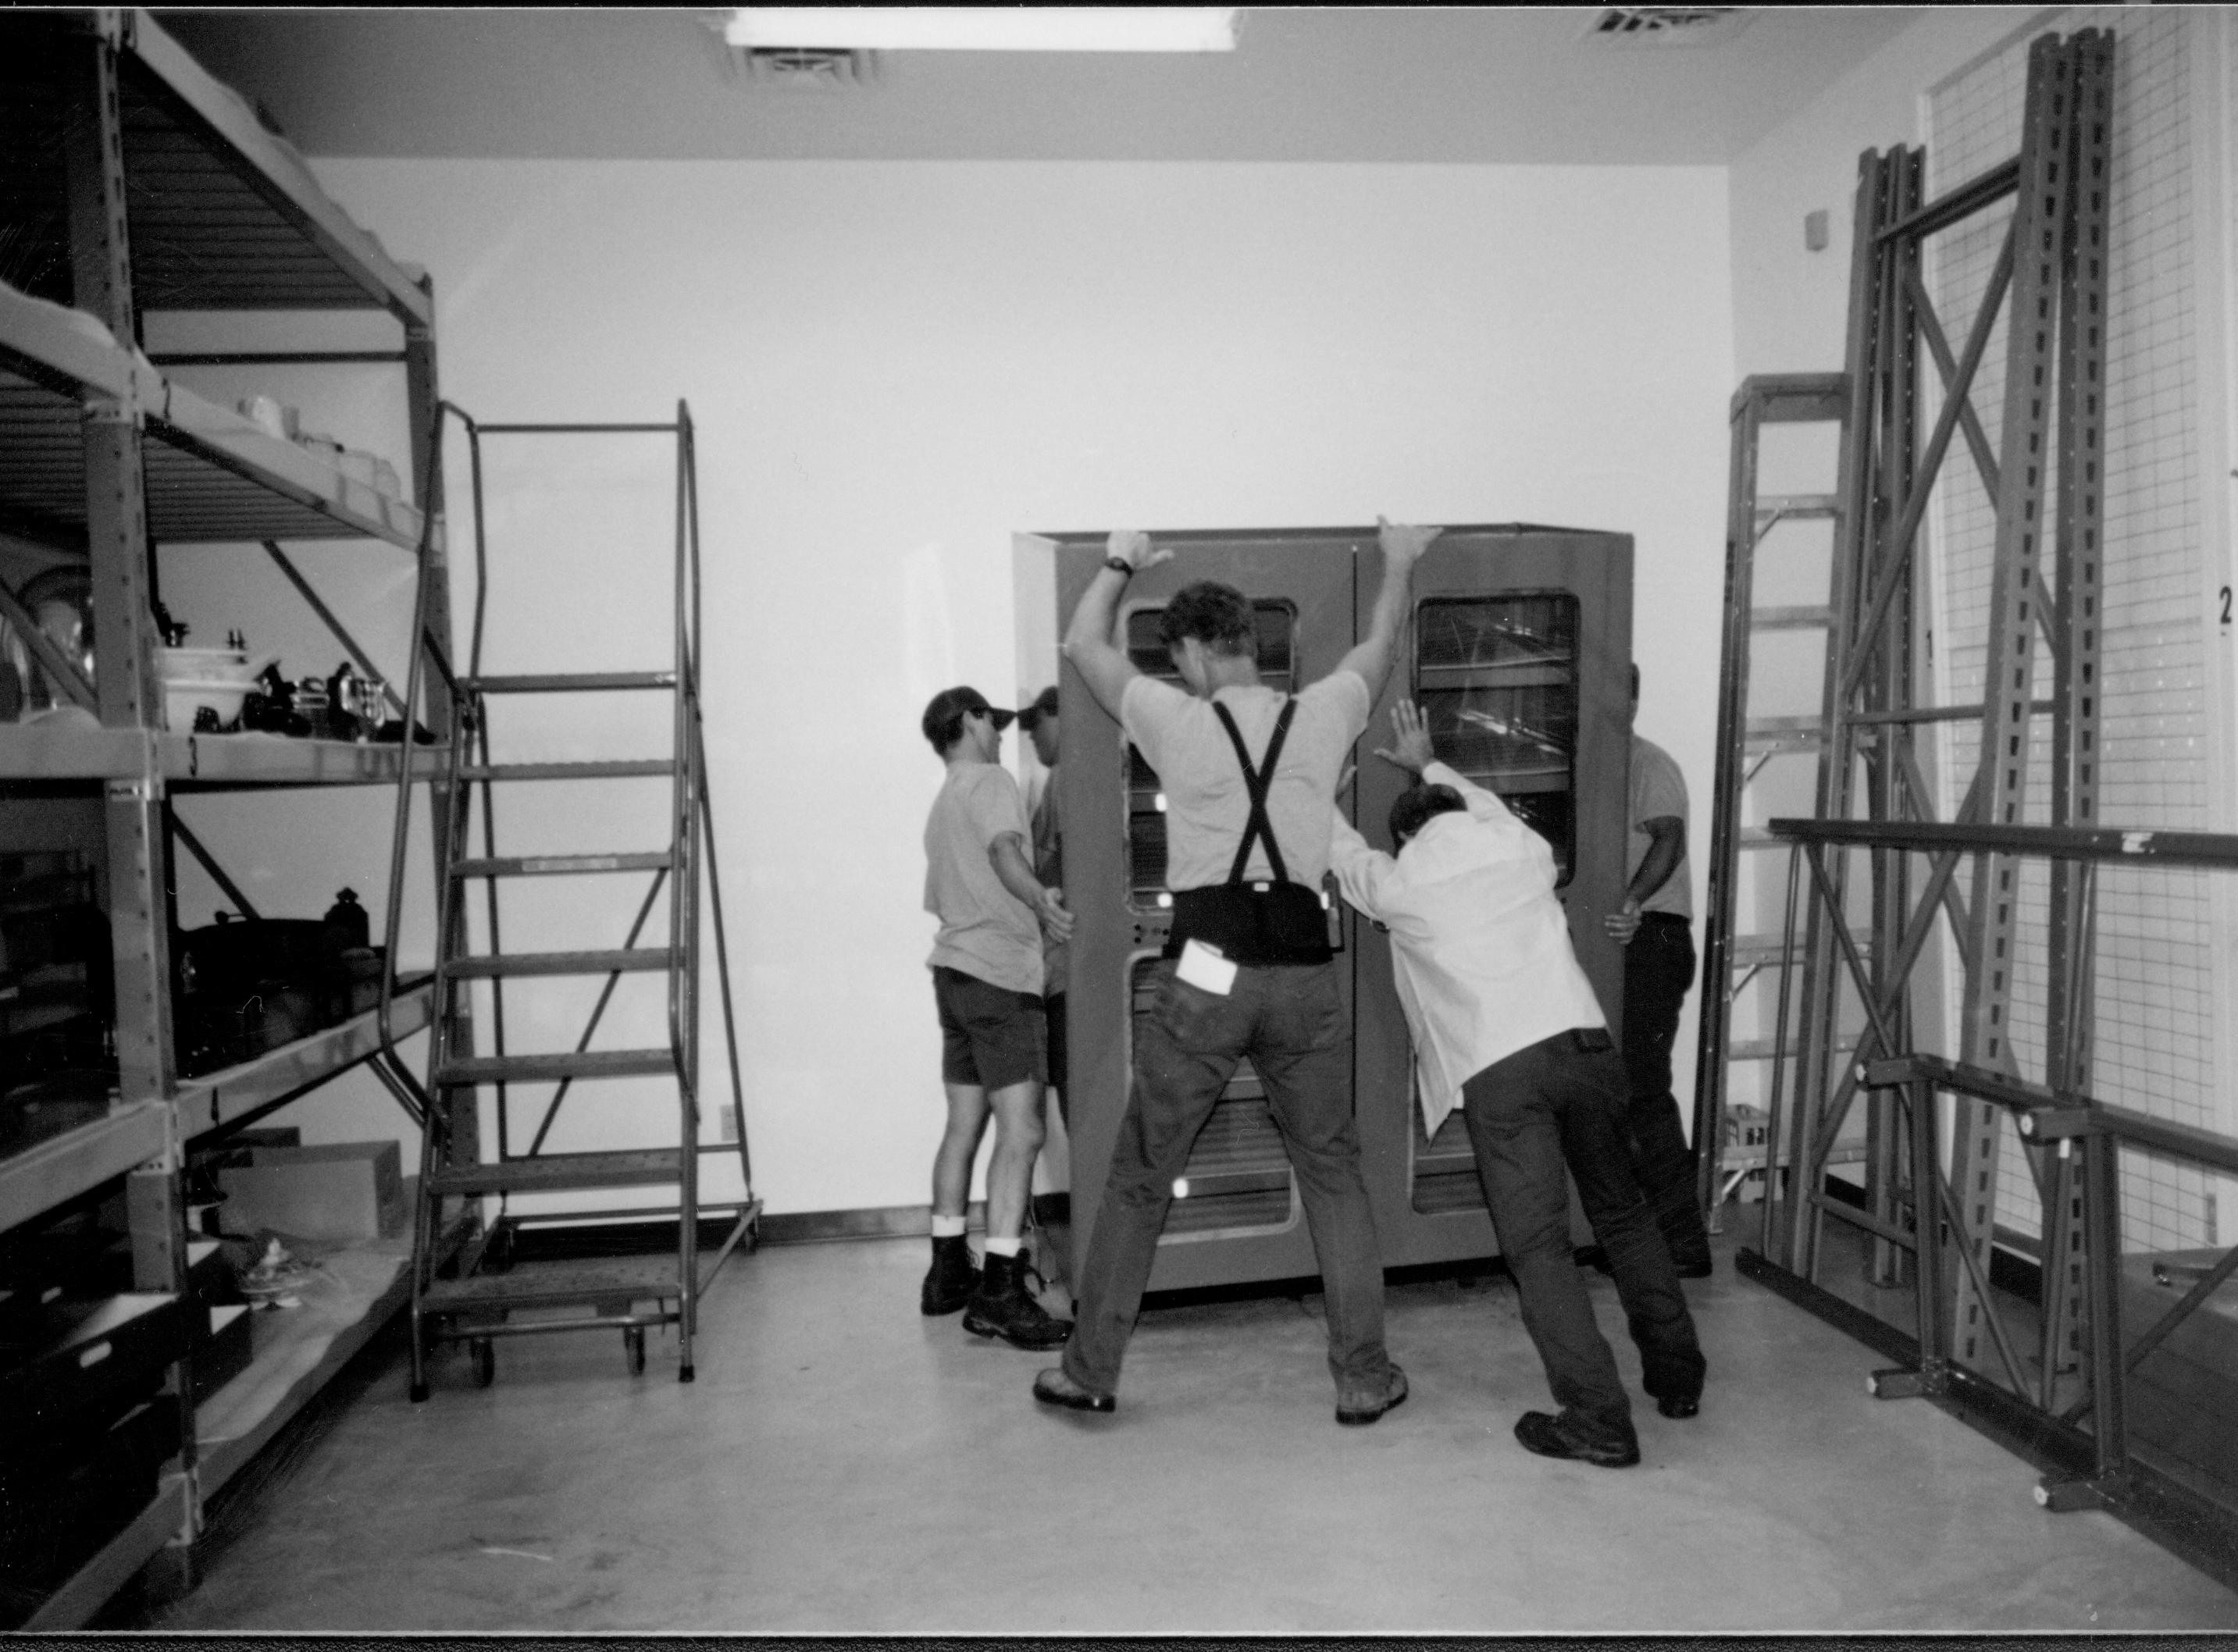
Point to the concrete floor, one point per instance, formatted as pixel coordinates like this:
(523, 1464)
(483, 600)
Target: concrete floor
(843, 1465)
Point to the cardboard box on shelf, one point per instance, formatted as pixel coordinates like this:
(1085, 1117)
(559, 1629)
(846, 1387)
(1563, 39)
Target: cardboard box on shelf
(345, 1190)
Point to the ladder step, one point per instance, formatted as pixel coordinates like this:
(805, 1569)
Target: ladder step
(1789, 618)
(1794, 504)
(1756, 951)
(1783, 734)
(584, 1064)
(1760, 837)
(618, 769)
(550, 865)
(611, 1282)
(575, 683)
(1763, 1049)
(558, 963)
(562, 1173)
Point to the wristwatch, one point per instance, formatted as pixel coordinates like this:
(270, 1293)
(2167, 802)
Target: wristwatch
(1121, 566)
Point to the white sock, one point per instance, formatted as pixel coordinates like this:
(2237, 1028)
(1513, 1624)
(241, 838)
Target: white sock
(1002, 1246)
(947, 1226)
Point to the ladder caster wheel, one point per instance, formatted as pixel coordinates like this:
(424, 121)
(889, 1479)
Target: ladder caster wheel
(684, 1374)
(419, 1393)
(633, 1344)
(484, 1350)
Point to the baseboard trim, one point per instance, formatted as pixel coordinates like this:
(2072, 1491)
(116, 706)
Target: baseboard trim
(889, 1221)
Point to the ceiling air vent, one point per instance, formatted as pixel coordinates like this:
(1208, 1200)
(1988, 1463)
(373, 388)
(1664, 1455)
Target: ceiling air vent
(1666, 25)
(812, 69)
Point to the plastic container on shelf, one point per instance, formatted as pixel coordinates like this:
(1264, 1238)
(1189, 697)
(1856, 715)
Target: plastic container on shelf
(216, 679)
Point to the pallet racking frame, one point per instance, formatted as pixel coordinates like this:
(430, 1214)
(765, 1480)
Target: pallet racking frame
(171, 194)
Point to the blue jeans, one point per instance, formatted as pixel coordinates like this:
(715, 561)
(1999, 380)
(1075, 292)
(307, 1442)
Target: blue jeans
(1550, 1105)
(1289, 1019)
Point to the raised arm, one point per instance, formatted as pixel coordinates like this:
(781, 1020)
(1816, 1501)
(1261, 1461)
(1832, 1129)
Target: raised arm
(1370, 659)
(1411, 749)
(1088, 642)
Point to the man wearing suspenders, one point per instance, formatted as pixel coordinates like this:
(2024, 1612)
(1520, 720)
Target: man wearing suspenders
(1248, 969)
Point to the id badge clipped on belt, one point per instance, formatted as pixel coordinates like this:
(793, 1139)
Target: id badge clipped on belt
(1205, 969)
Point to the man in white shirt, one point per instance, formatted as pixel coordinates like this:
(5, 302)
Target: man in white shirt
(1247, 774)
(1505, 1026)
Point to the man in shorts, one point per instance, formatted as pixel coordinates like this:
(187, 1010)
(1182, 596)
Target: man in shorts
(986, 968)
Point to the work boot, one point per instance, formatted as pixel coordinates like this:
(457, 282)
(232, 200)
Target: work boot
(1004, 1307)
(950, 1282)
(1568, 1436)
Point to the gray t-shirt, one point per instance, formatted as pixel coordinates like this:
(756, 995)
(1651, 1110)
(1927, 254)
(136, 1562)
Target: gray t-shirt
(1207, 803)
(1658, 789)
(985, 930)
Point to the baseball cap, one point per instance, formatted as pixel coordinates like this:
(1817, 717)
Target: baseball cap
(950, 705)
(1045, 705)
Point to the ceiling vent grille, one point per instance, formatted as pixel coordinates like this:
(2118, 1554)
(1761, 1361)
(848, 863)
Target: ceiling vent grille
(1666, 25)
(803, 69)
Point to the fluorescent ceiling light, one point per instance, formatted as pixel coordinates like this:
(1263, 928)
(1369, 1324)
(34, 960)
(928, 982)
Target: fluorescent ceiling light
(985, 28)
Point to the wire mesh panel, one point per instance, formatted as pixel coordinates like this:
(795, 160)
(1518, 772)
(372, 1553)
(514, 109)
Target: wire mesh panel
(2153, 1032)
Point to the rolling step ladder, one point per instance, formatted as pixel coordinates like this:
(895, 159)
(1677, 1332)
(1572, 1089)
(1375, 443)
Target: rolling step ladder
(1737, 1139)
(467, 1287)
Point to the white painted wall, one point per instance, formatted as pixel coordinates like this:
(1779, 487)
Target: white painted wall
(1790, 305)
(894, 366)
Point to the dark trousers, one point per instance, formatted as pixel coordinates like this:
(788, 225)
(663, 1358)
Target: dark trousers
(1289, 1019)
(1555, 1106)
(1658, 968)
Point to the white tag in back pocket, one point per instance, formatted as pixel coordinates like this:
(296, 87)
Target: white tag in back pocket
(1202, 967)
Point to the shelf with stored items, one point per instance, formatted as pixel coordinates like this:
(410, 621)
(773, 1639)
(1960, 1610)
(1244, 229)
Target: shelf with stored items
(135, 184)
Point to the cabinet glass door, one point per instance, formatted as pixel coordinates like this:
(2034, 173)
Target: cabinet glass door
(1496, 678)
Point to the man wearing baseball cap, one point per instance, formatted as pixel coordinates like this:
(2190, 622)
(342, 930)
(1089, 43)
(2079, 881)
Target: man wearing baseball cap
(986, 968)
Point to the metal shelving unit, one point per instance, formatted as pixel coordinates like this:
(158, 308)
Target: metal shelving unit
(131, 182)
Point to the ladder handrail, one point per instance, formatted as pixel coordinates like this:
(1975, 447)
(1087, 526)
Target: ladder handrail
(692, 830)
(389, 1066)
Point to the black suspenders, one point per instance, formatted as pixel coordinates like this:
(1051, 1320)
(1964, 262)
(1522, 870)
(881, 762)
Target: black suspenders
(1256, 826)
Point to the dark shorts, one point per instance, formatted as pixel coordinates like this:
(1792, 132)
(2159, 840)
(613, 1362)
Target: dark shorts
(1054, 1013)
(989, 1035)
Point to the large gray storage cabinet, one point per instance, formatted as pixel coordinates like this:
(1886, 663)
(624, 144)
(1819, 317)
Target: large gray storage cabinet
(1517, 647)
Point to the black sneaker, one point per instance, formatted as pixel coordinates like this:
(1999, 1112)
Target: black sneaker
(1548, 1438)
(952, 1279)
(1004, 1308)
(1053, 1387)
